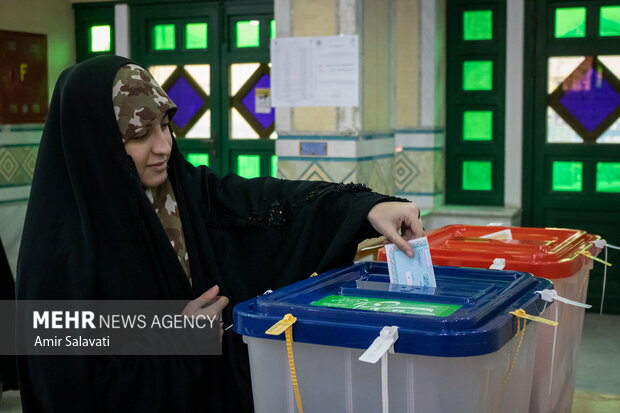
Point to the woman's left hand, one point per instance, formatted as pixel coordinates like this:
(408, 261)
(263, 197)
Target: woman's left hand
(389, 217)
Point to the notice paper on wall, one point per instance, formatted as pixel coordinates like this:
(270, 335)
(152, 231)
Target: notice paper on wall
(315, 71)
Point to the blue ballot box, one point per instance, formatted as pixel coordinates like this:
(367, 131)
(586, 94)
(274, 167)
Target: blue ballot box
(458, 347)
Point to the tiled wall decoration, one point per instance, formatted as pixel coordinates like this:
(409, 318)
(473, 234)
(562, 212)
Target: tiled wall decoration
(362, 159)
(418, 166)
(17, 164)
(19, 145)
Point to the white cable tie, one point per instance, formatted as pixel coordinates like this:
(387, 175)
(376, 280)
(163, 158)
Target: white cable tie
(552, 295)
(601, 243)
(268, 292)
(604, 280)
(385, 392)
(498, 264)
(495, 224)
(382, 344)
(555, 336)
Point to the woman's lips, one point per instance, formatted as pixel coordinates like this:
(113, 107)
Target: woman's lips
(159, 167)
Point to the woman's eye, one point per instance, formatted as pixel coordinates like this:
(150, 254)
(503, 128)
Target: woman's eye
(140, 137)
(165, 125)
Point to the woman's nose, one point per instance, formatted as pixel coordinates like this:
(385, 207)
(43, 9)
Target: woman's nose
(163, 141)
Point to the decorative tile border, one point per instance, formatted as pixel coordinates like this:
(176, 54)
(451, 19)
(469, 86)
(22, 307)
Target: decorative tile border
(17, 164)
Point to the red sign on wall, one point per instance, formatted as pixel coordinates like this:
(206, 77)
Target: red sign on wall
(23, 77)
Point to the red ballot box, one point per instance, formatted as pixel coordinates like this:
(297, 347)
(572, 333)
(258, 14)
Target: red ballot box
(553, 253)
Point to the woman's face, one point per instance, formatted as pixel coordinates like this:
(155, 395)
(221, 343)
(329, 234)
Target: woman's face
(150, 151)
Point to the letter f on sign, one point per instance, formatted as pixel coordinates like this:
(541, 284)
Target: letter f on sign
(22, 70)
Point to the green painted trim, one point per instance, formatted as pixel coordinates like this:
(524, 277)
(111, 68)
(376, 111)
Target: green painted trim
(333, 159)
(87, 15)
(19, 145)
(416, 131)
(13, 201)
(422, 149)
(459, 100)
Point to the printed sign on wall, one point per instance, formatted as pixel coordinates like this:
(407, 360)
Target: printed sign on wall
(23, 77)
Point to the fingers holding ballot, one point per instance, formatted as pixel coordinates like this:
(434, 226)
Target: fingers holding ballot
(416, 271)
(390, 217)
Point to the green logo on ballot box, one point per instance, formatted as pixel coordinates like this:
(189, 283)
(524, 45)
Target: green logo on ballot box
(389, 306)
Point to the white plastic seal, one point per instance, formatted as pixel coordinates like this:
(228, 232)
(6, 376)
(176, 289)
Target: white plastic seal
(498, 264)
(552, 295)
(379, 349)
(381, 345)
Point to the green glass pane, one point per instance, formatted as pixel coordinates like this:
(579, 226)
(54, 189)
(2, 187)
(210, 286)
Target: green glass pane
(248, 33)
(274, 166)
(163, 36)
(272, 29)
(567, 176)
(609, 25)
(570, 22)
(248, 166)
(100, 38)
(608, 176)
(196, 36)
(197, 159)
(478, 75)
(478, 25)
(477, 125)
(477, 175)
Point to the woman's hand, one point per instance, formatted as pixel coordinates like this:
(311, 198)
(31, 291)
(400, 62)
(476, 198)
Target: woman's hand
(213, 311)
(389, 217)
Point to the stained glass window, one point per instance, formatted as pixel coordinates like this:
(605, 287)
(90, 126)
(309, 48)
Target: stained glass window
(252, 116)
(196, 36)
(189, 88)
(202, 75)
(567, 176)
(189, 100)
(272, 29)
(608, 176)
(248, 166)
(100, 38)
(478, 25)
(163, 37)
(197, 159)
(478, 75)
(161, 73)
(587, 99)
(477, 125)
(570, 22)
(247, 33)
(609, 23)
(477, 175)
(274, 166)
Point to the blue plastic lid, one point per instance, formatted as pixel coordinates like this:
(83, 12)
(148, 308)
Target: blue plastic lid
(467, 314)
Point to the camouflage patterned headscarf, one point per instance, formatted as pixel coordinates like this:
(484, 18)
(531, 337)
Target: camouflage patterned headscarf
(138, 99)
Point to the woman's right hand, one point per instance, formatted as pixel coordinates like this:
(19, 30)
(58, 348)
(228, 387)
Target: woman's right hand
(213, 311)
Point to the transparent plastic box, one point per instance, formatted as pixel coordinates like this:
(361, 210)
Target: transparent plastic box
(454, 351)
(552, 253)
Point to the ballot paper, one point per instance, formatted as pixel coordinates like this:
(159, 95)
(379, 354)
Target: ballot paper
(417, 271)
(504, 235)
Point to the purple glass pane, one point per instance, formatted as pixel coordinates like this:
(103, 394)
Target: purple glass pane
(591, 99)
(249, 101)
(187, 100)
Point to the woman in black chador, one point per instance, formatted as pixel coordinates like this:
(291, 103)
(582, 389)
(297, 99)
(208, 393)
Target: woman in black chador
(116, 212)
